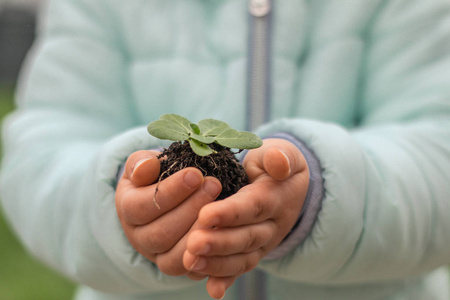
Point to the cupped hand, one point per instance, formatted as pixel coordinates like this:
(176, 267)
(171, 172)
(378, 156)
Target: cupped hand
(234, 234)
(158, 230)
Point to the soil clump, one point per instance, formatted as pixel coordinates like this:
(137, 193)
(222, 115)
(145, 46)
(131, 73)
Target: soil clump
(222, 165)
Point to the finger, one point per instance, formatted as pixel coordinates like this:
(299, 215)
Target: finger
(277, 164)
(171, 262)
(227, 241)
(253, 204)
(142, 168)
(277, 157)
(222, 266)
(139, 206)
(196, 276)
(217, 286)
(164, 232)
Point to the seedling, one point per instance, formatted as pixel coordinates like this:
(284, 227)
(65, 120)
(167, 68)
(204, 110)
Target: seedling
(177, 128)
(205, 146)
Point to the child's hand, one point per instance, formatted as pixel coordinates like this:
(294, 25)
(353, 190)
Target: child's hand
(159, 233)
(237, 232)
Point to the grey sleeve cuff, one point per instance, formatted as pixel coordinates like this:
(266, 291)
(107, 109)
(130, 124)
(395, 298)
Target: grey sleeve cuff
(312, 205)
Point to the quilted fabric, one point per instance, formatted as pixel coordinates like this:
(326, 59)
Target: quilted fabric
(364, 84)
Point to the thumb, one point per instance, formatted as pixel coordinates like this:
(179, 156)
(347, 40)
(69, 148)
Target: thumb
(283, 159)
(142, 168)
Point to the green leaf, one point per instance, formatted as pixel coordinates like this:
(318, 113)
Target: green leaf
(202, 139)
(200, 148)
(232, 138)
(167, 130)
(177, 128)
(211, 127)
(195, 128)
(181, 121)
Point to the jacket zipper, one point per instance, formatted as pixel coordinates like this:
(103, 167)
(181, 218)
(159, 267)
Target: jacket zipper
(258, 93)
(258, 104)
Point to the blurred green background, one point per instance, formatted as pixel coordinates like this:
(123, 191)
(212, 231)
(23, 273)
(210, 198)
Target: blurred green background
(21, 276)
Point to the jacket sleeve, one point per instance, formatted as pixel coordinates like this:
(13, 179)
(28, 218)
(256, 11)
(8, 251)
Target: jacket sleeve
(63, 148)
(386, 198)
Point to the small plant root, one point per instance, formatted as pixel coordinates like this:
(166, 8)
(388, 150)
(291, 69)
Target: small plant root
(159, 181)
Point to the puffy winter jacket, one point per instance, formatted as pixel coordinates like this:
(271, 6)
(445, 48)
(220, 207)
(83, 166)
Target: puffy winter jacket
(364, 85)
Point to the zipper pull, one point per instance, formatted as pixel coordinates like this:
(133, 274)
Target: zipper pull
(259, 8)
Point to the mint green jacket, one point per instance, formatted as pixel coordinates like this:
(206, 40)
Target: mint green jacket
(365, 85)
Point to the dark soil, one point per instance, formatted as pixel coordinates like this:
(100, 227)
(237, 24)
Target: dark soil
(223, 165)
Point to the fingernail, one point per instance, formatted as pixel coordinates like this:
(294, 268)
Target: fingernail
(222, 296)
(214, 222)
(287, 159)
(212, 188)
(193, 179)
(138, 163)
(199, 264)
(204, 250)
